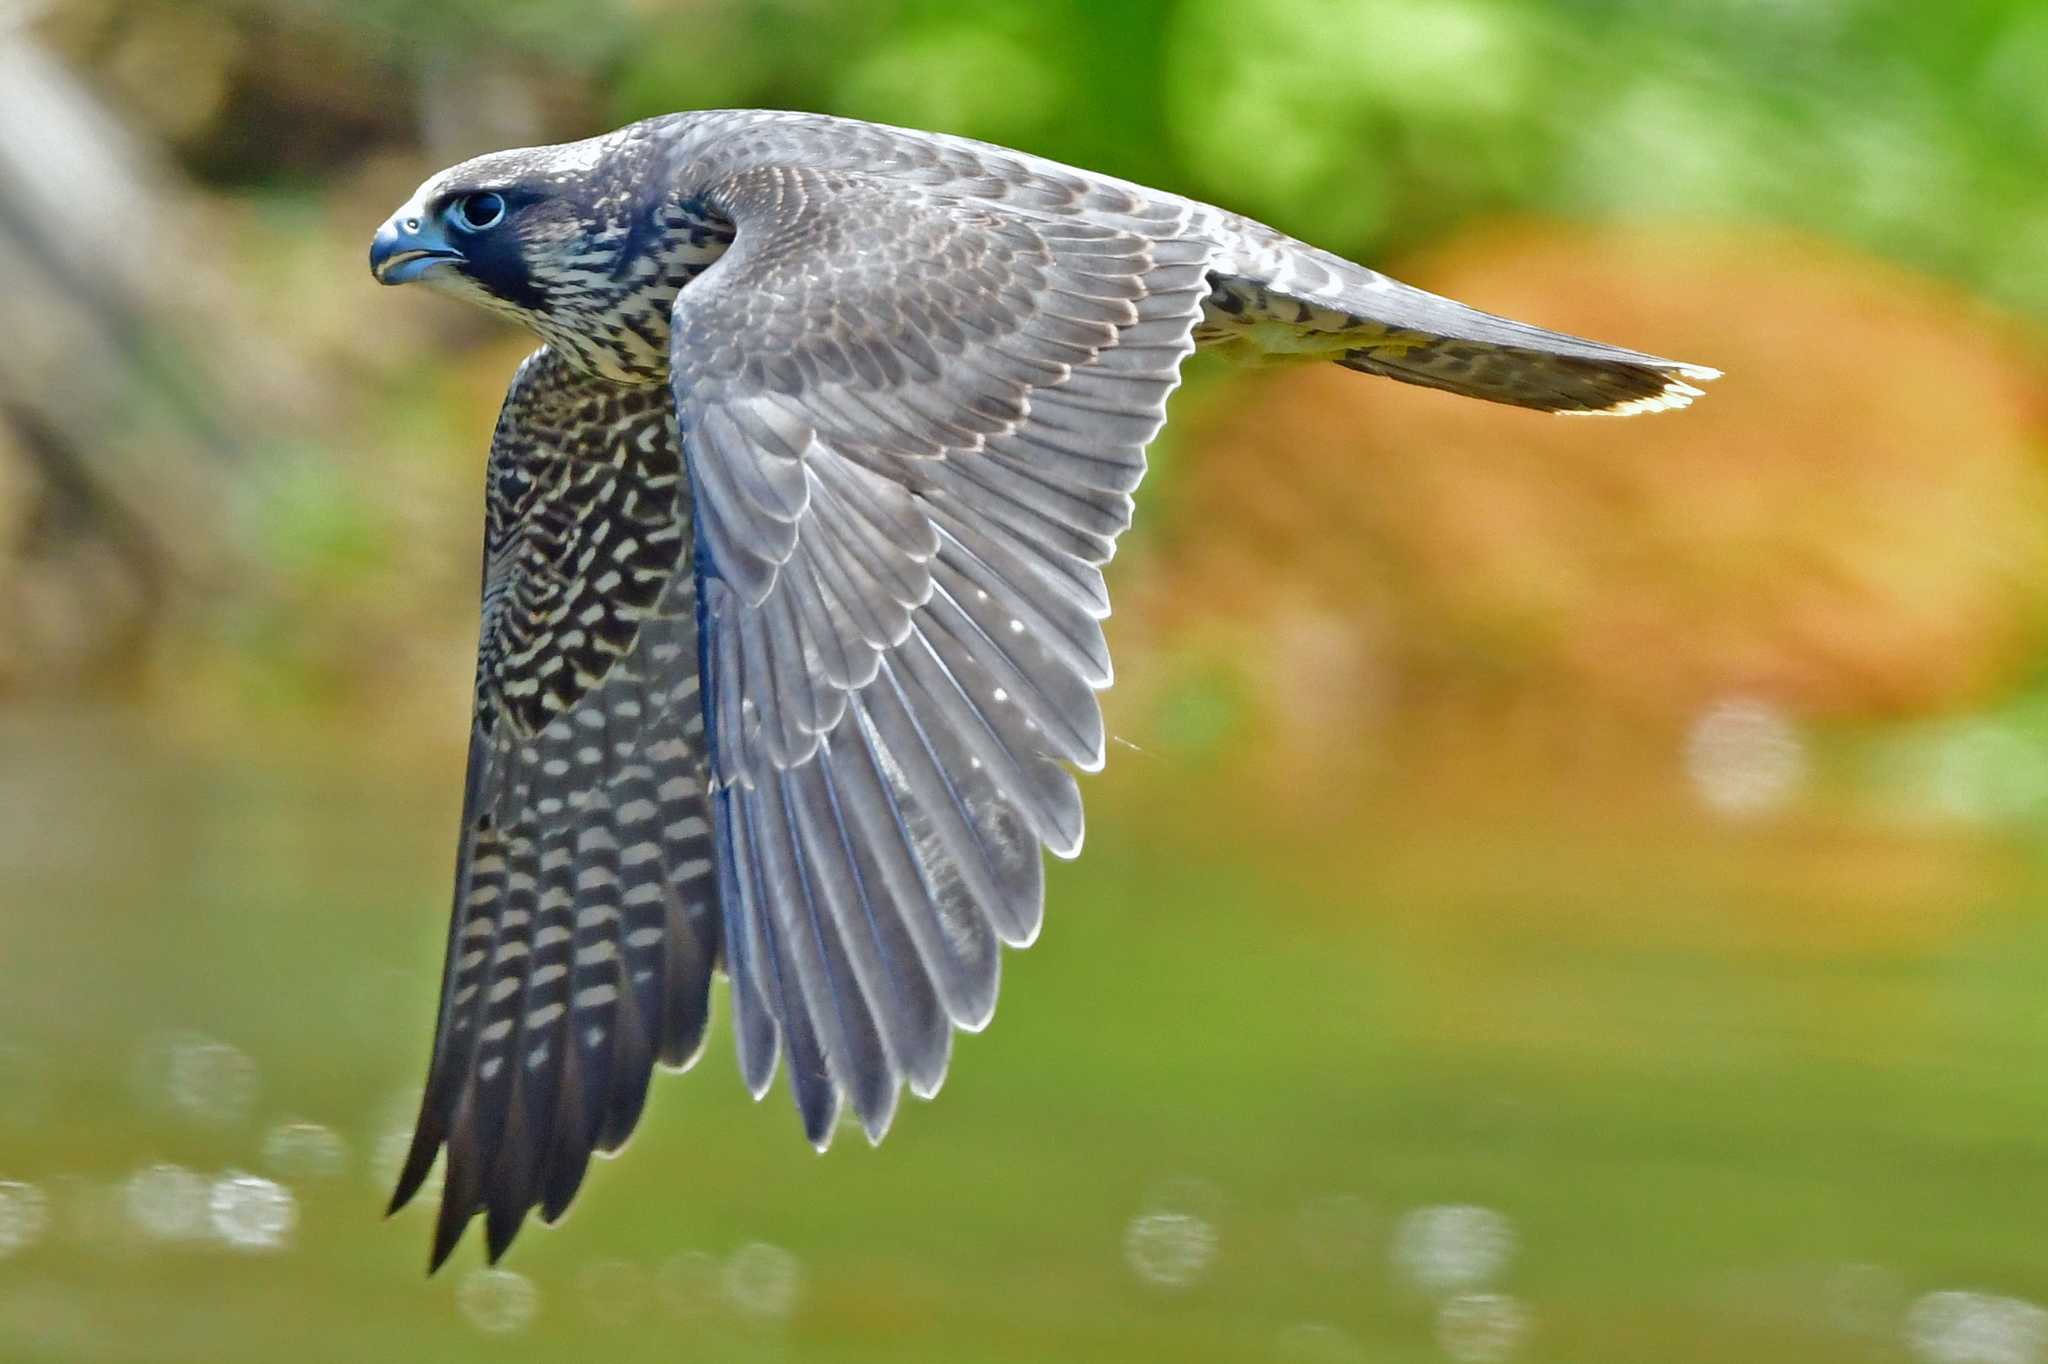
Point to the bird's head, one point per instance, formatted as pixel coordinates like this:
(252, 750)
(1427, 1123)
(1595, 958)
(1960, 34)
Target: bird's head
(583, 243)
(528, 233)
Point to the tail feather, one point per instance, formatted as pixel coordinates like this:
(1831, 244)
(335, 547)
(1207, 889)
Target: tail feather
(1274, 297)
(1575, 385)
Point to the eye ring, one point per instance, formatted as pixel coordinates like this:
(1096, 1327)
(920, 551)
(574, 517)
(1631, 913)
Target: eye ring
(478, 212)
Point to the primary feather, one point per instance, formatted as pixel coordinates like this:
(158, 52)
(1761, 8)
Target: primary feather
(793, 589)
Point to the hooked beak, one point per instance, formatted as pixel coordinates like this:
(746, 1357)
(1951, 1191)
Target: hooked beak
(408, 246)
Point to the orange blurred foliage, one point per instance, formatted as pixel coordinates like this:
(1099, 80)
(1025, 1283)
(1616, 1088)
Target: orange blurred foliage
(1850, 524)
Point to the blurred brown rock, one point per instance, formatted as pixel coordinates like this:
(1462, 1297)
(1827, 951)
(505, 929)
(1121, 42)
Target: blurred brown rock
(1853, 523)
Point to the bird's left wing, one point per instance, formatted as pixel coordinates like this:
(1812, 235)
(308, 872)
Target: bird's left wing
(914, 417)
(583, 935)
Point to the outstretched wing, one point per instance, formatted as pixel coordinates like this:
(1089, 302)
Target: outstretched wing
(913, 420)
(583, 936)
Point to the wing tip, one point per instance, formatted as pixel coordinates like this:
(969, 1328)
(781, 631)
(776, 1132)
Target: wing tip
(499, 1230)
(876, 1128)
(448, 1230)
(1063, 836)
(1023, 934)
(924, 1074)
(401, 1196)
(975, 1017)
(817, 1106)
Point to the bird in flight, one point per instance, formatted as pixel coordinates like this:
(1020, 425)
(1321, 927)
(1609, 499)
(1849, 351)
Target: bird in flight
(793, 594)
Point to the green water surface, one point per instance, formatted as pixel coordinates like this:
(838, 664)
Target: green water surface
(1723, 1090)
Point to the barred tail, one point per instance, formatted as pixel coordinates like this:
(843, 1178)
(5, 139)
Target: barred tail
(1584, 380)
(1271, 296)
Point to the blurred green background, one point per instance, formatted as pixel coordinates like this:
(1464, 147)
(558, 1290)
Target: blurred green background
(1562, 892)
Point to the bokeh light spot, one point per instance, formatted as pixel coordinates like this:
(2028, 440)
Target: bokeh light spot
(499, 1302)
(1953, 1327)
(1481, 1328)
(689, 1282)
(298, 1149)
(1744, 757)
(249, 1212)
(1170, 1250)
(166, 1202)
(1452, 1247)
(763, 1281)
(198, 1078)
(24, 1214)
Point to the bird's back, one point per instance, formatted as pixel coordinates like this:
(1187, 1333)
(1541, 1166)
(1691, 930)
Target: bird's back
(1272, 296)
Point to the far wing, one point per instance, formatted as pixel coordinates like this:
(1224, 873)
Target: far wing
(583, 939)
(913, 424)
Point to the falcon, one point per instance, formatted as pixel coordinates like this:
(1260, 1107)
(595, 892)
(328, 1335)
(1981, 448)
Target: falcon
(793, 595)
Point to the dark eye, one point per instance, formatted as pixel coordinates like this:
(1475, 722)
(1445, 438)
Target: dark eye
(479, 211)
